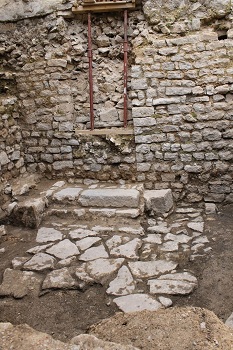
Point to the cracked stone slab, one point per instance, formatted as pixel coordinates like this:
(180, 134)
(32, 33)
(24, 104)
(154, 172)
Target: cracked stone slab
(144, 269)
(39, 248)
(18, 283)
(69, 193)
(169, 246)
(137, 302)
(106, 197)
(94, 253)
(80, 233)
(87, 242)
(48, 234)
(132, 230)
(196, 226)
(40, 262)
(178, 238)
(158, 229)
(177, 283)
(63, 249)
(59, 279)
(128, 250)
(101, 268)
(160, 201)
(123, 284)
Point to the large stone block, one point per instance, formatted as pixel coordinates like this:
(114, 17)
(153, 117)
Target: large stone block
(159, 201)
(107, 197)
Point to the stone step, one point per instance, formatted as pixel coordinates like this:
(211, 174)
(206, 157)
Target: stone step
(90, 202)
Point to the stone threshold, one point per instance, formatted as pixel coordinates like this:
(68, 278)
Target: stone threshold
(118, 131)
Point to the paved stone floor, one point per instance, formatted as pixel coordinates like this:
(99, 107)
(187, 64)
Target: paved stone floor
(139, 259)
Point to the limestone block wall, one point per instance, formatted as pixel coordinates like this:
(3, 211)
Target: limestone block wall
(183, 114)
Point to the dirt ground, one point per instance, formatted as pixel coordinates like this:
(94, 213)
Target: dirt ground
(65, 314)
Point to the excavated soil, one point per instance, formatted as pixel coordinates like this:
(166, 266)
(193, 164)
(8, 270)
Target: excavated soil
(65, 314)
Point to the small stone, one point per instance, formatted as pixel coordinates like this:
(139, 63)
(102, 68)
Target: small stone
(59, 279)
(2, 230)
(18, 262)
(48, 234)
(137, 302)
(169, 246)
(94, 253)
(63, 249)
(40, 262)
(166, 302)
(160, 201)
(210, 208)
(153, 238)
(229, 321)
(123, 284)
(2, 250)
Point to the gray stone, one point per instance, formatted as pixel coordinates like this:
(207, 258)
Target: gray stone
(19, 283)
(18, 262)
(39, 248)
(123, 284)
(137, 302)
(101, 268)
(80, 233)
(29, 212)
(48, 234)
(4, 158)
(87, 242)
(229, 321)
(59, 279)
(196, 226)
(63, 249)
(128, 250)
(70, 193)
(160, 201)
(166, 101)
(166, 302)
(110, 198)
(210, 208)
(40, 262)
(116, 240)
(169, 246)
(94, 253)
(142, 112)
(177, 283)
(145, 269)
(153, 238)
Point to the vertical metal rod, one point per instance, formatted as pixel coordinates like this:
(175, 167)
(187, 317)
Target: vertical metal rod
(125, 69)
(90, 72)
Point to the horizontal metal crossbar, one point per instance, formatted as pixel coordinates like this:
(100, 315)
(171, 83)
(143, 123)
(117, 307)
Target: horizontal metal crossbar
(102, 6)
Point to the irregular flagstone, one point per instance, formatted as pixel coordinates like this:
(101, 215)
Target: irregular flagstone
(48, 234)
(116, 240)
(87, 242)
(169, 246)
(39, 248)
(106, 197)
(40, 262)
(104, 229)
(202, 240)
(153, 238)
(81, 274)
(59, 279)
(70, 193)
(63, 249)
(18, 283)
(137, 302)
(143, 269)
(101, 268)
(160, 201)
(80, 233)
(179, 238)
(128, 250)
(123, 284)
(196, 226)
(66, 262)
(177, 283)
(94, 253)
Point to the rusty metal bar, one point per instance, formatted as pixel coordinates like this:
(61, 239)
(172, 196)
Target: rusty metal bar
(90, 72)
(125, 68)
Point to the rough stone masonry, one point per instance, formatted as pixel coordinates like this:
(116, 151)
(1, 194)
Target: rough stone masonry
(180, 95)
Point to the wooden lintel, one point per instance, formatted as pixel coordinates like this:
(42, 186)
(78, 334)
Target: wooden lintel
(117, 131)
(103, 7)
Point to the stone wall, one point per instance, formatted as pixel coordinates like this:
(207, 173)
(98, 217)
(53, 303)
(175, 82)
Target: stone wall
(180, 96)
(182, 112)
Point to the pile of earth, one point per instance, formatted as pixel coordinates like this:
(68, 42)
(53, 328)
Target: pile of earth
(187, 328)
